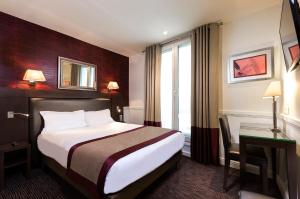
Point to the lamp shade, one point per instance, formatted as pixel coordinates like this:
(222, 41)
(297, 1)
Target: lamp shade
(274, 89)
(34, 76)
(113, 85)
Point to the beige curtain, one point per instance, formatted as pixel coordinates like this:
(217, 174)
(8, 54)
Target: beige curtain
(205, 65)
(152, 96)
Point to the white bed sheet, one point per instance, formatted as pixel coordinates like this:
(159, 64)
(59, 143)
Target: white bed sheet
(127, 169)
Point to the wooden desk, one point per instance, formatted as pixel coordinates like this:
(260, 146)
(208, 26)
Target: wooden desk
(265, 137)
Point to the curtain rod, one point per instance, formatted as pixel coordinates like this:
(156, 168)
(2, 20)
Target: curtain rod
(173, 39)
(183, 35)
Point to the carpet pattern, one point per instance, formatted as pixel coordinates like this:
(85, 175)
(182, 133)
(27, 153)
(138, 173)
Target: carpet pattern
(190, 181)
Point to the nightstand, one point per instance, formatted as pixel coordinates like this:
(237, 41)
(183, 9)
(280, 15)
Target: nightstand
(14, 155)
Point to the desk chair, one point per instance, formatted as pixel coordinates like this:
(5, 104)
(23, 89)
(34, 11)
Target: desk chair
(255, 155)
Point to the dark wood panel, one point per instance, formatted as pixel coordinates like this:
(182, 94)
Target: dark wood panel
(15, 129)
(26, 45)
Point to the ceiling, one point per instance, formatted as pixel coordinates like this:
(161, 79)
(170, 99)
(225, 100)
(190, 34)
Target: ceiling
(128, 26)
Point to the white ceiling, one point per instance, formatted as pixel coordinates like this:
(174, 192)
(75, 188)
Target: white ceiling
(128, 26)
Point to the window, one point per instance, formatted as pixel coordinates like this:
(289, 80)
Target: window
(184, 89)
(87, 79)
(83, 76)
(167, 88)
(176, 87)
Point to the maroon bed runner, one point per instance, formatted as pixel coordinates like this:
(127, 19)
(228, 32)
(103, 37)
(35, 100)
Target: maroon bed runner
(90, 161)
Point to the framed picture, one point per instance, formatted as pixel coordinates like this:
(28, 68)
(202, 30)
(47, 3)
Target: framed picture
(251, 66)
(76, 75)
(291, 53)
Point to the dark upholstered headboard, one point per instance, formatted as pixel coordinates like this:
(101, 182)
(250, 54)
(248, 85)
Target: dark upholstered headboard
(53, 104)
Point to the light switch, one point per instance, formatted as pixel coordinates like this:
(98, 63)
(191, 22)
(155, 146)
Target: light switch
(10, 114)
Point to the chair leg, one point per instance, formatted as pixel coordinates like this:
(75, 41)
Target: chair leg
(226, 173)
(264, 177)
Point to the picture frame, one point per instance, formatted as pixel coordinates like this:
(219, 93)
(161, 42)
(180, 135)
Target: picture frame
(291, 53)
(76, 75)
(251, 66)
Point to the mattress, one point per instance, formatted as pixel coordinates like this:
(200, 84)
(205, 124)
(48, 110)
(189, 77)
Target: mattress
(126, 170)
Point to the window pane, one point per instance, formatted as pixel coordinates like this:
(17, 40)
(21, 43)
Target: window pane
(83, 76)
(184, 113)
(166, 94)
(92, 77)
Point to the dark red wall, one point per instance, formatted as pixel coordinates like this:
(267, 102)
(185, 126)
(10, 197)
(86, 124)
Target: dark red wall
(26, 45)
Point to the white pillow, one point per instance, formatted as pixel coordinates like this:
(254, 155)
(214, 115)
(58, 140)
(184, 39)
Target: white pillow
(96, 118)
(56, 121)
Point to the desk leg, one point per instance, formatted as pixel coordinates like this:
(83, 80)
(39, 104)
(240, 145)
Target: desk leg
(291, 160)
(242, 161)
(274, 163)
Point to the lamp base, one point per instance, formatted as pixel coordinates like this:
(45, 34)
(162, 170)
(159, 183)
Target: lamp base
(276, 130)
(31, 83)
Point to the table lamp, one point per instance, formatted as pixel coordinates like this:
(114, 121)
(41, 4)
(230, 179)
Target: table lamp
(273, 91)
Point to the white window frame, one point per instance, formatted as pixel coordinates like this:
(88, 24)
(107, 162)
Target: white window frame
(175, 78)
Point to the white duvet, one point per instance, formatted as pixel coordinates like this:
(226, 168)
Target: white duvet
(127, 169)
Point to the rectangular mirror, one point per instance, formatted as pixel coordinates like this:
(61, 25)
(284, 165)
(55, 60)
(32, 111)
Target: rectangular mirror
(76, 75)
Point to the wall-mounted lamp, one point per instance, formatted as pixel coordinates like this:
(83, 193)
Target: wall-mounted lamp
(12, 114)
(119, 110)
(33, 76)
(112, 86)
(273, 91)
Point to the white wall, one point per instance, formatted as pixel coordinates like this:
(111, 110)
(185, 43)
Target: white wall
(252, 32)
(291, 114)
(243, 101)
(135, 112)
(291, 103)
(249, 33)
(137, 80)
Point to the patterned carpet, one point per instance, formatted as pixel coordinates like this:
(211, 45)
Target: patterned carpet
(190, 181)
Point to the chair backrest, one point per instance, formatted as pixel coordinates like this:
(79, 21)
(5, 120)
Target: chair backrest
(225, 132)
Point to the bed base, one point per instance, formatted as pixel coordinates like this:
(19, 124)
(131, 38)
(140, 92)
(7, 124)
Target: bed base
(129, 192)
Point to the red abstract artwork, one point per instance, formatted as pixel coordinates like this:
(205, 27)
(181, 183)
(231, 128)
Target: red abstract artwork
(294, 51)
(250, 66)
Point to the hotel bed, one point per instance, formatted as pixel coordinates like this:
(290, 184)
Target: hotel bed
(128, 176)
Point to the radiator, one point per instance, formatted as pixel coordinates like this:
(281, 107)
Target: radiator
(134, 115)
